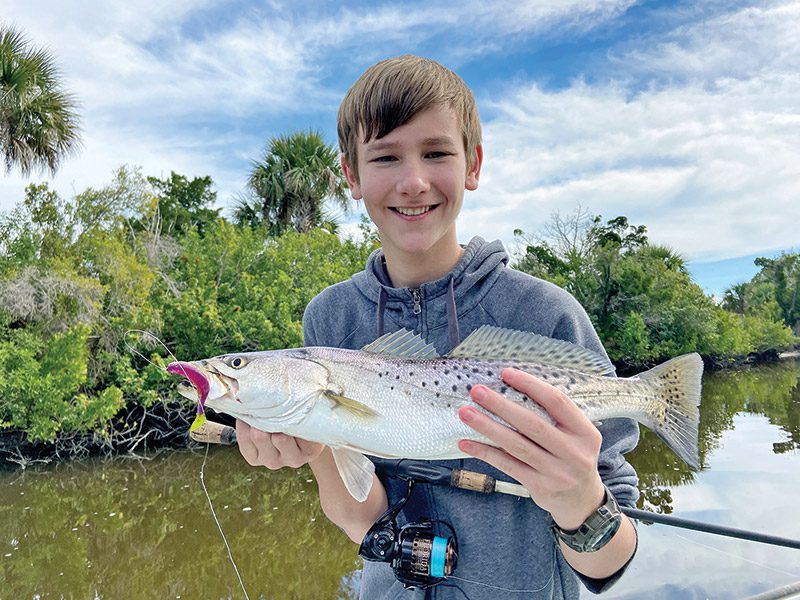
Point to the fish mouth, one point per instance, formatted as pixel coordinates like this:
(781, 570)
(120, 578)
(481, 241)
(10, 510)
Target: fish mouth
(202, 380)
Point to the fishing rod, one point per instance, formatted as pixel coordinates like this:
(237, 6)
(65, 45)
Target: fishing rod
(436, 474)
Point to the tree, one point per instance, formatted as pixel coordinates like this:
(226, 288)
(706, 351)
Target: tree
(184, 204)
(38, 122)
(290, 184)
(784, 275)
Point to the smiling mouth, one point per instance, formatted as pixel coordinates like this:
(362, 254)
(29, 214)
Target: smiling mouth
(414, 211)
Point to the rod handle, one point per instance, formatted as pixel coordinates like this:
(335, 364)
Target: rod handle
(211, 432)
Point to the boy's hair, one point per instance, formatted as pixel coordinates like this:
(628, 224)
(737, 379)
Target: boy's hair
(392, 92)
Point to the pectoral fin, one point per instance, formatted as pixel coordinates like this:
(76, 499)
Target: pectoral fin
(354, 406)
(356, 471)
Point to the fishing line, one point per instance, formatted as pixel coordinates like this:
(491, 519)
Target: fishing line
(758, 564)
(547, 584)
(142, 356)
(219, 526)
(205, 456)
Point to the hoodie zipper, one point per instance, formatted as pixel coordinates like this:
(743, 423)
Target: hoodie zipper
(417, 301)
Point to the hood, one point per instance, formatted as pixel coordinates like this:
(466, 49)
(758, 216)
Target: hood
(456, 293)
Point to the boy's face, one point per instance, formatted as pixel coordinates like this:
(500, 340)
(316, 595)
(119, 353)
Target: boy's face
(412, 182)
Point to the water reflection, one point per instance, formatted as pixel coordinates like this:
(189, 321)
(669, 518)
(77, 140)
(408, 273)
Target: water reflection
(142, 529)
(130, 529)
(750, 479)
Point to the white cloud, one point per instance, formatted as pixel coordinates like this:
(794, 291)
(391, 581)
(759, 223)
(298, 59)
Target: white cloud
(711, 165)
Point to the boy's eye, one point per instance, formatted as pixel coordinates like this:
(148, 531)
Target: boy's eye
(438, 154)
(385, 158)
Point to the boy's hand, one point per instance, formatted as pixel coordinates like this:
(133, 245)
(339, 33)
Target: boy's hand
(556, 463)
(274, 450)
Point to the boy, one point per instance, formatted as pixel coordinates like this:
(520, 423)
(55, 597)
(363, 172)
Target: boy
(410, 139)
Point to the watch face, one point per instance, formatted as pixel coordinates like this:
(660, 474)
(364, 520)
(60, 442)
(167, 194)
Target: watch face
(604, 533)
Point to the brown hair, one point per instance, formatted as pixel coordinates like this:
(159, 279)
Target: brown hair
(392, 92)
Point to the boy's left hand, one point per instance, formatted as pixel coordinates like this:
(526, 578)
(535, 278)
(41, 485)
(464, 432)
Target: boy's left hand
(557, 462)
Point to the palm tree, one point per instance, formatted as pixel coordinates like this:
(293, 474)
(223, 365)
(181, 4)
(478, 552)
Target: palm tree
(38, 122)
(291, 183)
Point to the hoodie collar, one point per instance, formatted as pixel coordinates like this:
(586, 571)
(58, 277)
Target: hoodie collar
(464, 286)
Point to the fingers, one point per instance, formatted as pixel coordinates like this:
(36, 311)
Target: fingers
(522, 443)
(272, 450)
(557, 404)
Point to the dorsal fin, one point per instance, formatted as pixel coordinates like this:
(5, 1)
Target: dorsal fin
(402, 343)
(523, 346)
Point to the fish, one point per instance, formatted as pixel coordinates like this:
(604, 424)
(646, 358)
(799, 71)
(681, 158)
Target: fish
(398, 398)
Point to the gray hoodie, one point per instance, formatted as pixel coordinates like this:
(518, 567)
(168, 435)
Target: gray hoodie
(504, 542)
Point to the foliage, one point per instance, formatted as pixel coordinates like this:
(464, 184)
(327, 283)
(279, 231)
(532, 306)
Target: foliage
(290, 184)
(183, 205)
(774, 292)
(40, 391)
(640, 296)
(79, 276)
(246, 291)
(38, 119)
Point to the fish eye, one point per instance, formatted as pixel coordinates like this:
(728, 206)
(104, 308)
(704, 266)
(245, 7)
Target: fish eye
(237, 362)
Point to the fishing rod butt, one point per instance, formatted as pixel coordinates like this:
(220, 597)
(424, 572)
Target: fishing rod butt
(211, 432)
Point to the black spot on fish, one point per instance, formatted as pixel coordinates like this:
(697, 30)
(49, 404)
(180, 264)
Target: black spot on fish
(392, 388)
(503, 390)
(411, 374)
(572, 381)
(474, 369)
(490, 373)
(435, 382)
(397, 376)
(469, 386)
(458, 377)
(423, 384)
(380, 374)
(455, 388)
(447, 371)
(438, 394)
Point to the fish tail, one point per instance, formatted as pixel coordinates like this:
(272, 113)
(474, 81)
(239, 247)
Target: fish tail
(677, 421)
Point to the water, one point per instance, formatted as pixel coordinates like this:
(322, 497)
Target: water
(128, 528)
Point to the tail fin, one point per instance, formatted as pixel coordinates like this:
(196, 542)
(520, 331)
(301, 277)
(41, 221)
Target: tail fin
(679, 381)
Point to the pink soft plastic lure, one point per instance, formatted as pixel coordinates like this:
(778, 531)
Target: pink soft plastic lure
(198, 379)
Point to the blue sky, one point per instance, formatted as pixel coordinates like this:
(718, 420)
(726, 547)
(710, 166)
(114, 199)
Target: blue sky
(682, 116)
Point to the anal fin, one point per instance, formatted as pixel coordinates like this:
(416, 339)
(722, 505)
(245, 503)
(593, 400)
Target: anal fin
(356, 471)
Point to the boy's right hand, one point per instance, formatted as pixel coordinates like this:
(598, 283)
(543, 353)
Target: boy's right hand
(274, 450)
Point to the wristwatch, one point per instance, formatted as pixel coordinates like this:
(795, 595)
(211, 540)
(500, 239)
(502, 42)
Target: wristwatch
(597, 530)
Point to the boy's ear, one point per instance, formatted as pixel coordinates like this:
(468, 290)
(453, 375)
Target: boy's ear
(352, 180)
(474, 171)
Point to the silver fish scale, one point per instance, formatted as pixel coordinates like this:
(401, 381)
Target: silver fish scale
(418, 400)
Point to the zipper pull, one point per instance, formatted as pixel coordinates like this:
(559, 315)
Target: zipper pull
(417, 301)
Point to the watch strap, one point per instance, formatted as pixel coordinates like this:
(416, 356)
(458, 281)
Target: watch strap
(597, 530)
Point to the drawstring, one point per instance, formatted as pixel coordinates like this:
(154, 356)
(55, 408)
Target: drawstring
(452, 318)
(381, 309)
(453, 334)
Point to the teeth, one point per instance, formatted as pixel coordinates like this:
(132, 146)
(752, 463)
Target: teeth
(412, 212)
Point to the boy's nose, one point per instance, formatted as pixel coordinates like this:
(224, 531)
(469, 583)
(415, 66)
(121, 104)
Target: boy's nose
(413, 180)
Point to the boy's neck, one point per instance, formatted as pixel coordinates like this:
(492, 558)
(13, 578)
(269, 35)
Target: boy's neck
(411, 270)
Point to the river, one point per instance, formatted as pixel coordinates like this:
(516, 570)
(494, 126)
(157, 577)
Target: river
(136, 527)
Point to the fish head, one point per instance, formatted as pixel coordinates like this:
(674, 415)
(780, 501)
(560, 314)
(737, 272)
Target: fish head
(266, 386)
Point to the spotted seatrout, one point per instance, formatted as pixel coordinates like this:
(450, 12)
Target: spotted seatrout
(397, 398)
